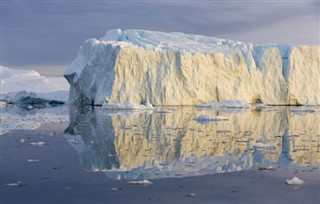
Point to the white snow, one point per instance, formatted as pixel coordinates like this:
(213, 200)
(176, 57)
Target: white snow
(20, 84)
(262, 145)
(294, 181)
(139, 67)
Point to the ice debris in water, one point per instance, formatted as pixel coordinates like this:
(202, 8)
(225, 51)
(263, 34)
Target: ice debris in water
(204, 117)
(127, 106)
(33, 160)
(304, 110)
(38, 143)
(262, 145)
(270, 168)
(18, 183)
(164, 110)
(116, 189)
(226, 104)
(140, 182)
(294, 181)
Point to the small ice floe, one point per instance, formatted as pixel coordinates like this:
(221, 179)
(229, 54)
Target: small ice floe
(203, 117)
(226, 104)
(268, 168)
(301, 110)
(22, 141)
(32, 160)
(160, 110)
(38, 143)
(18, 183)
(191, 195)
(263, 107)
(295, 181)
(144, 182)
(3, 104)
(116, 189)
(127, 106)
(264, 146)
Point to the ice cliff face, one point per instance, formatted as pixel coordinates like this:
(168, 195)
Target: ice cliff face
(143, 67)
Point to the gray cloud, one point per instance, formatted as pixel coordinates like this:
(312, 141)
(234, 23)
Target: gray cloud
(44, 34)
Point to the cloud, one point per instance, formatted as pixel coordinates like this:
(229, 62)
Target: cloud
(42, 34)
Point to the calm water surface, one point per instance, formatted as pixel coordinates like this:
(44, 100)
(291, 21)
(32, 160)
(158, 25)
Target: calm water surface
(63, 144)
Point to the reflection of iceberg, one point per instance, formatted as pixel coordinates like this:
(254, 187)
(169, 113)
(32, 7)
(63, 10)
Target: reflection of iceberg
(150, 145)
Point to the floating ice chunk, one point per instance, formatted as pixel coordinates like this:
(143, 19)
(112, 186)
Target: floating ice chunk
(127, 106)
(270, 168)
(22, 141)
(226, 104)
(304, 110)
(140, 182)
(3, 104)
(159, 110)
(294, 181)
(203, 117)
(262, 145)
(33, 160)
(116, 189)
(38, 143)
(18, 183)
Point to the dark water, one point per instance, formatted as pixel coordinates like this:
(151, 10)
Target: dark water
(71, 155)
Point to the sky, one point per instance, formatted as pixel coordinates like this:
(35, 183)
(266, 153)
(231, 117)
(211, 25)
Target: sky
(45, 35)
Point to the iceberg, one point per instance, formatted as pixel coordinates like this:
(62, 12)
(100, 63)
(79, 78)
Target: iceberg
(149, 67)
(23, 87)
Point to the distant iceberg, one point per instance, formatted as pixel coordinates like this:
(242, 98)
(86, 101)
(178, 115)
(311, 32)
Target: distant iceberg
(28, 87)
(148, 67)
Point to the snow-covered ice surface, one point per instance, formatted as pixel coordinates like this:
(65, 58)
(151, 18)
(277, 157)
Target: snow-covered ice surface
(28, 86)
(16, 118)
(141, 67)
